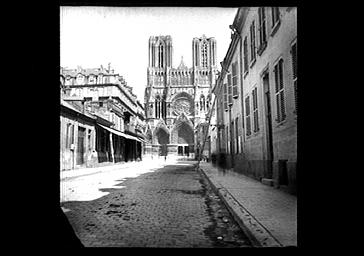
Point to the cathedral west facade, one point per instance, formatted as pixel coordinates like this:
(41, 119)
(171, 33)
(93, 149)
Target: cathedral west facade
(177, 99)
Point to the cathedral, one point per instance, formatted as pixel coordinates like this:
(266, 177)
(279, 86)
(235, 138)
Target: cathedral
(177, 99)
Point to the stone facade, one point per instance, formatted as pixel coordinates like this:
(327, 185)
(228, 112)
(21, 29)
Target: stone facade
(116, 126)
(178, 99)
(257, 96)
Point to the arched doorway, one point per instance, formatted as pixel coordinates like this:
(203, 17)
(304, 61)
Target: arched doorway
(183, 136)
(185, 139)
(162, 136)
(163, 140)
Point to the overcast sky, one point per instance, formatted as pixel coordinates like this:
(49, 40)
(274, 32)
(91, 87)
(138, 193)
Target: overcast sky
(94, 36)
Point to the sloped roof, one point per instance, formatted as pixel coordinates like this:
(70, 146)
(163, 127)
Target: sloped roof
(86, 72)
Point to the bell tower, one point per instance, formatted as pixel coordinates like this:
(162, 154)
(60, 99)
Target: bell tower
(160, 52)
(204, 52)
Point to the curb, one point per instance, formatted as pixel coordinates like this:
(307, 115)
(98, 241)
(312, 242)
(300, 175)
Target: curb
(258, 235)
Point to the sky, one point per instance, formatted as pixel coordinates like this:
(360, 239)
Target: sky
(95, 36)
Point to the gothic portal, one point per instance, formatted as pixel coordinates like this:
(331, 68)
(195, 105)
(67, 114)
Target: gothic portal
(177, 99)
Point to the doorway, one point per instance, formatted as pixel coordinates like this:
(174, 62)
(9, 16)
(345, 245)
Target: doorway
(80, 146)
(180, 150)
(186, 151)
(268, 121)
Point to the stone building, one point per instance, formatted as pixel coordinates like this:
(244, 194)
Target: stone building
(177, 98)
(257, 96)
(101, 117)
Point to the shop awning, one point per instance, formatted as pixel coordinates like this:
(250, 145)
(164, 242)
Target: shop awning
(119, 133)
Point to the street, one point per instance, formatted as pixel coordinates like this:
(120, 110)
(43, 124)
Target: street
(148, 204)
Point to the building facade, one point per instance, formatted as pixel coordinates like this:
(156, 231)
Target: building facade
(101, 119)
(256, 93)
(177, 99)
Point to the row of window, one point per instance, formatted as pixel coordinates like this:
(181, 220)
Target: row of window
(89, 80)
(231, 87)
(251, 102)
(279, 94)
(70, 136)
(262, 32)
(233, 143)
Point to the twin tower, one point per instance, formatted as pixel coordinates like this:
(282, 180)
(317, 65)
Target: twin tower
(161, 52)
(177, 98)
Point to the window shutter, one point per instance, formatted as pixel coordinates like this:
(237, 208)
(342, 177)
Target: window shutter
(245, 55)
(252, 41)
(247, 114)
(276, 78)
(225, 97)
(280, 65)
(295, 94)
(294, 71)
(294, 60)
(278, 107)
(262, 33)
(247, 110)
(230, 91)
(255, 109)
(283, 112)
(275, 15)
(235, 80)
(278, 70)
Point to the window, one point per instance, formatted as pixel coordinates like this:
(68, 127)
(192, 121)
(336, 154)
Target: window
(294, 72)
(91, 79)
(247, 115)
(230, 91)
(275, 16)
(69, 135)
(80, 79)
(252, 42)
(160, 57)
(157, 107)
(245, 56)
(225, 97)
(278, 75)
(202, 102)
(235, 80)
(204, 54)
(262, 30)
(255, 109)
(89, 140)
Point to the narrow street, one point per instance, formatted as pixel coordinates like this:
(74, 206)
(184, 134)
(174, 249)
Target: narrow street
(156, 204)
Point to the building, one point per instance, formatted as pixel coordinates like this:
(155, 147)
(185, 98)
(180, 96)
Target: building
(257, 96)
(177, 99)
(101, 119)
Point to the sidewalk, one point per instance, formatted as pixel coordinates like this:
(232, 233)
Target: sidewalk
(92, 170)
(147, 161)
(268, 215)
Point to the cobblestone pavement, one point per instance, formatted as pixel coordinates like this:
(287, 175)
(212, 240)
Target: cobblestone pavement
(171, 207)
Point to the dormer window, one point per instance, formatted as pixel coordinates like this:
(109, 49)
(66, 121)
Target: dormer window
(80, 79)
(91, 79)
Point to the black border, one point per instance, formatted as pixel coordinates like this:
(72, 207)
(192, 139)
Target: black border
(40, 158)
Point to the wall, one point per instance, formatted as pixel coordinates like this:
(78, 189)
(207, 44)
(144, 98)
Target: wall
(68, 157)
(254, 159)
